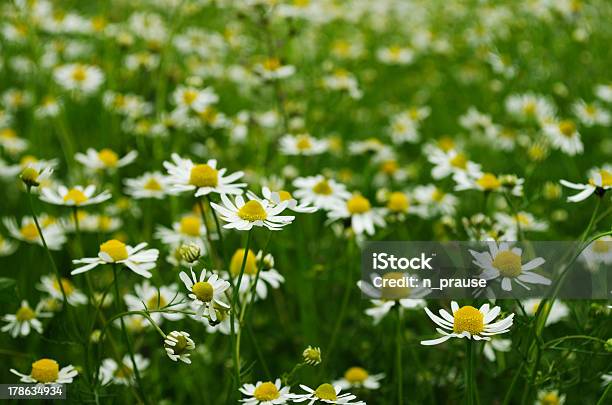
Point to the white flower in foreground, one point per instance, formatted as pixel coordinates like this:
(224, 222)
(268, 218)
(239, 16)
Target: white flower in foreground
(546, 397)
(600, 181)
(504, 262)
(50, 285)
(563, 135)
(277, 197)
(178, 345)
(47, 371)
(327, 394)
(122, 374)
(319, 191)
(206, 293)
(244, 216)
(105, 159)
(265, 393)
(557, 312)
(75, 196)
(184, 175)
(24, 320)
(493, 345)
(363, 217)
(358, 377)
(113, 251)
(302, 144)
(26, 232)
(84, 78)
(148, 185)
(468, 322)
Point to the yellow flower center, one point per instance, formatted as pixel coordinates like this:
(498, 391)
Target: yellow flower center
(29, 231)
(156, 302)
(252, 211)
(152, 185)
(115, 249)
(25, 313)
(104, 222)
(250, 267)
(358, 205)
(508, 263)
(567, 128)
(266, 392)
(45, 370)
(389, 166)
(550, 399)
(437, 195)
(79, 74)
(203, 290)
(522, 219)
(204, 176)
(76, 196)
(355, 375)
(390, 289)
(459, 161)
(326, 391)
(190, 225)
(123, 371)
(189, 96)
(322, 187)
(271, 64)
(108, 157)
(68, 287)
(398, 202)
(488, 182)
(303, 142)
(395, 51)
(529, 108)
(446, 143)
(602, 246)
(606, 179)
(284, 195)
(27, 159)
(468, 319)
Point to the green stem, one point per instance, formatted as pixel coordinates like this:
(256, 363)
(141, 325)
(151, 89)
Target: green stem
(604, 395)
(398, 355)
(214, 213)
(469, 373)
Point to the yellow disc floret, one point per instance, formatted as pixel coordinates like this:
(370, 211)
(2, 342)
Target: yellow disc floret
(356, 375)
(76, 196)
(203, 290)
(468, 319)
(508, 263)
(358, 204)
(252, 211)
(108, 157)
(266, 391)
(459, 161)
(45, 370)
(398, 202)
(29, 231)
(567, 128)
(250, 267)
(190, 225)
(326, 391)
(25, 313)
(152, 185)
(322, 187)
(488, 182)
(115, 249)
(284, 195)
(66, 284)
(204, 176)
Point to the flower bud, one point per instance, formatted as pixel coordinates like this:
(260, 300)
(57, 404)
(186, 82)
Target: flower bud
(189, 252)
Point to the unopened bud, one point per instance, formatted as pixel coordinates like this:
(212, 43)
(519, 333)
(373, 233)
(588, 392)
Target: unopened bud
(189, 252)
(29, 176)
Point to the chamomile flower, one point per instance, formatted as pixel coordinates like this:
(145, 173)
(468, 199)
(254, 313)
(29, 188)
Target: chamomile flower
(598, 252)
(204, 178)
(496, 345)
(277, 197)
(509, 224)
(395, 55)
(600, 180)
(148, 185)
(504, 262)
(268, 276)
(312, 355)
(12, 143)
(7, 247)
(320, 191)
(591, 114)
(435, 200)
(468, 322)
(343, 80)
(273, 69)
(115, 252)
(24, 320)
(404, 128)
(77, 196)
(265, 393)
(488, 182)
(564, 135)
(150, 297)
(604, 92)
(325, 394)
(26, 232)
(122, 374)
(105, 159)
(547, 397)
(47, 371)
(79, 77)
(42, 169)
(558, 310)
(530, 106)
(51, 286)
(358, 377)
(191, 98)
(302, 144)
(205, 293)
(178, 345)
(243, 216)
(449, 162)
(189, 229)
(362, 215)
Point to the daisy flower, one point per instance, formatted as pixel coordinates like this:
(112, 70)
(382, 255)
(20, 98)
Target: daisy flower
(122, 374)
(564, 135)
(343, 80)
(105, 159)
(493, 345)
(205, 178)
(599, 181)
(302, 144)
(320, 192)
(358, 377)
(395, 55)
(113, 251)
(488, 182)
(178, 345)
(189, 229)
(150, 297)
(13, 144)
(204, 293)
(530, 107)
(359, 210)
(449, 162)
(24, 320)
(265, 393)
(546, 397)
(504, 261)
(525, 220)
(49, 284)
(281, 196)
(604, 92)
(435, 200)
(325, 394)
(557, 312)
(79, 77)
(191, 98)
(404, 128)
(39, 170)
(76, 196)
(468, 322)
(244, 216)
(598, 252)
(272, 69)
(591, 114)
(7, 247)
(148, 185)
(26, 232)
(268, 276)
(47, 371)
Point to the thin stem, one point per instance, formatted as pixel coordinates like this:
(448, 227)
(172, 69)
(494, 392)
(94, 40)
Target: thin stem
(469, 373)
(602, 400)
(398, 355)
(208, 238)
(214, 213)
